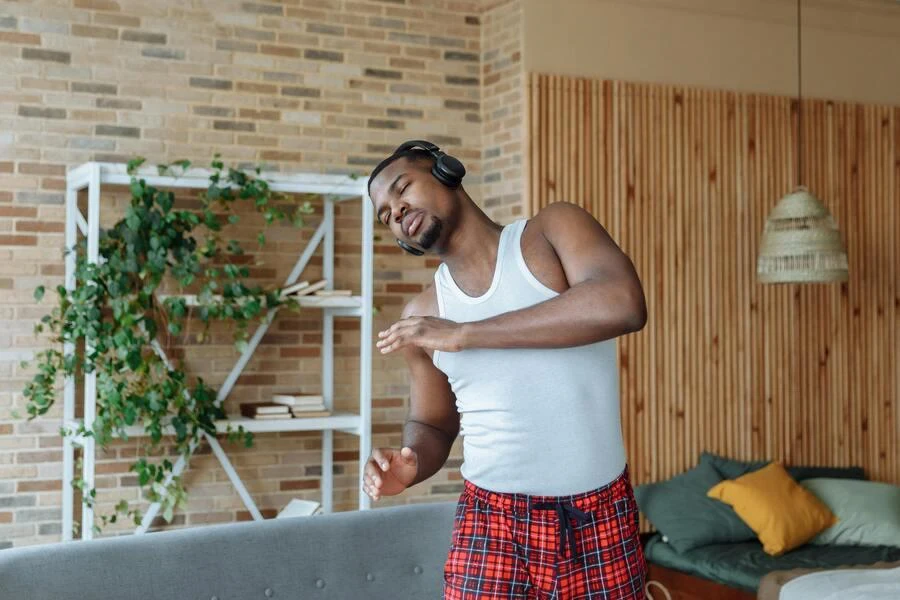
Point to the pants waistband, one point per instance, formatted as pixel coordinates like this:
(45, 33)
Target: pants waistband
(586, 501)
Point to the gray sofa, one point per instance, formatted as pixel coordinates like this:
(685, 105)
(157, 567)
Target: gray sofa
(387, 553)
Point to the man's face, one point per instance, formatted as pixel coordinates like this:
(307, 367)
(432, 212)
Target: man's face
(412, 203)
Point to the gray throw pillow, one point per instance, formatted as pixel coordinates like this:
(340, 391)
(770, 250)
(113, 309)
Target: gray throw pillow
(681, 511)
(729, 468)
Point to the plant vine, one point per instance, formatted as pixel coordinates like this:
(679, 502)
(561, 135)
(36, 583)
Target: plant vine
(115, 317)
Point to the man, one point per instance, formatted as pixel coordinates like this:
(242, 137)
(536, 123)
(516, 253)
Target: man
(513, 347)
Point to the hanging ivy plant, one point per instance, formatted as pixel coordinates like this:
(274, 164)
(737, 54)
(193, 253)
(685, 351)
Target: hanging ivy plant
(116, 313)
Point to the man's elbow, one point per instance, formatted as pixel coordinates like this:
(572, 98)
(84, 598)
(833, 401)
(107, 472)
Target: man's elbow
(634, 313)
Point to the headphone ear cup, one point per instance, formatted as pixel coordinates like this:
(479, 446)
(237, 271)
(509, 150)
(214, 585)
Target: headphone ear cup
(448, 170)
(441, 175)
(410, 249)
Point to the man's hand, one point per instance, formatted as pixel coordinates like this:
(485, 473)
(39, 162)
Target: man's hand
(389, 471)
(428, 333)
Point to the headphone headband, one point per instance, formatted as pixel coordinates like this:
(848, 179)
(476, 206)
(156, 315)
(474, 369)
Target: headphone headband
(423, 144)
(447, 169)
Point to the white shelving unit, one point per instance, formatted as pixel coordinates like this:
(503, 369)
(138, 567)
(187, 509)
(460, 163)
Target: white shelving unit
(333, 188)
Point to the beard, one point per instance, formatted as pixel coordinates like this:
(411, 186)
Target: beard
(430, 235)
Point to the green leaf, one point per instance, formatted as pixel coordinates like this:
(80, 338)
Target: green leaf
(133, 164)
(134, 359)
(180, 427)
(39, 293)
(137, 188)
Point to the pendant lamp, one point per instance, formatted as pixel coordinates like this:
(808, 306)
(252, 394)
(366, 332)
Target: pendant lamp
(801, 242)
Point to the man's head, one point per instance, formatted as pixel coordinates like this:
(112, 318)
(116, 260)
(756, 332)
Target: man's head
(409, 199)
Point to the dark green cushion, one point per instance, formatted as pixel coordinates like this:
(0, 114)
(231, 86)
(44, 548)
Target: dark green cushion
(729, 468)
(681, 511)
(743, 565)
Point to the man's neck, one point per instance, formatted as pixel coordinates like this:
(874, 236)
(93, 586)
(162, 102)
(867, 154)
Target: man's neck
(471, 251)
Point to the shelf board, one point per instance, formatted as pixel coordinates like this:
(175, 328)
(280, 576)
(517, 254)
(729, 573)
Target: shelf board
(341, 421)
(342, 187)
(304, 301)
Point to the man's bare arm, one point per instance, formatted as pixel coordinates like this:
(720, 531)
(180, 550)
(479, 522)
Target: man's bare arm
(604, 298)
(433, 421)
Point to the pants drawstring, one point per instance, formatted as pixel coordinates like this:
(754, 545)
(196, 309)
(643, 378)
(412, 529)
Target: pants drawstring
(566, 513)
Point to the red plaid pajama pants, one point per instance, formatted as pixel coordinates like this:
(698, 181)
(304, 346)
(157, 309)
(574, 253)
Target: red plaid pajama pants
(546, 547)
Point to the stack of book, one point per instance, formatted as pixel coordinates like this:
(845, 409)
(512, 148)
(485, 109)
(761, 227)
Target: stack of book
(265, 410)
(305, 288)
(302, 405)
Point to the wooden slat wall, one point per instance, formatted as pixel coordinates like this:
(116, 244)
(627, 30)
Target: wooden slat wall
(683, 179)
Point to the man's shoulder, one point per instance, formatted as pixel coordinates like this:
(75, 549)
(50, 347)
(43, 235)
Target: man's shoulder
(560, 213)
(423, 304)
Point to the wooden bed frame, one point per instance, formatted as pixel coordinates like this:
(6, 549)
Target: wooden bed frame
(682, 586)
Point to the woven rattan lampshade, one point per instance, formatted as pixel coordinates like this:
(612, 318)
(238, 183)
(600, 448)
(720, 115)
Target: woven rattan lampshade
(801, 243)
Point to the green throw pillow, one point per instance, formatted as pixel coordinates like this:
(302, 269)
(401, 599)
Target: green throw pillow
(729, 468)
(681, 511)
(868, 512)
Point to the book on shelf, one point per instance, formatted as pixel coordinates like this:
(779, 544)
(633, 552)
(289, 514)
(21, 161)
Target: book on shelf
(306, 414)
(254, 409)
(304, 409)
(299, 400)
(294, 287)
(271, 417)
(303, 288)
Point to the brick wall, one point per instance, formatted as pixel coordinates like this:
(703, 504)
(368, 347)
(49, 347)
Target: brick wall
(316, 85)
(503, 111)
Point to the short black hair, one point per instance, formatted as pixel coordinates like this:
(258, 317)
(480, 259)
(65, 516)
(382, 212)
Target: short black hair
(414, 155)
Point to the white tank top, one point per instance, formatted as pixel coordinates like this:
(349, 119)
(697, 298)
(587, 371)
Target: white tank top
(533, 421)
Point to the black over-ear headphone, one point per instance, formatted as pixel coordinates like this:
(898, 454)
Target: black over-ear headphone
(447, 169)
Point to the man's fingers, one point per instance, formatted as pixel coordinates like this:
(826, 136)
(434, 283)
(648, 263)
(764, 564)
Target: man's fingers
(395, 341)
(392, 328)
(382, 458)
(372, 479)
(391, 336)
(401, 324)
(387, 342)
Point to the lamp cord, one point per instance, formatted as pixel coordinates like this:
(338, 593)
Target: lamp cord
(799, 96)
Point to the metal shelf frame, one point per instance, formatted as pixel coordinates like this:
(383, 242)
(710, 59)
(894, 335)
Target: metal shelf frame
(93, 176)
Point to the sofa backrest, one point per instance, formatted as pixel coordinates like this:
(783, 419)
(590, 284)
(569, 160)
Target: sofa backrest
(388, 553)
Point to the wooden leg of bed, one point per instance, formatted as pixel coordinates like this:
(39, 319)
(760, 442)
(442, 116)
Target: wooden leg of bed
(669, 584)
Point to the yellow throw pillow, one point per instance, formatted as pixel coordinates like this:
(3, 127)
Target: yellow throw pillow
(781, 513)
